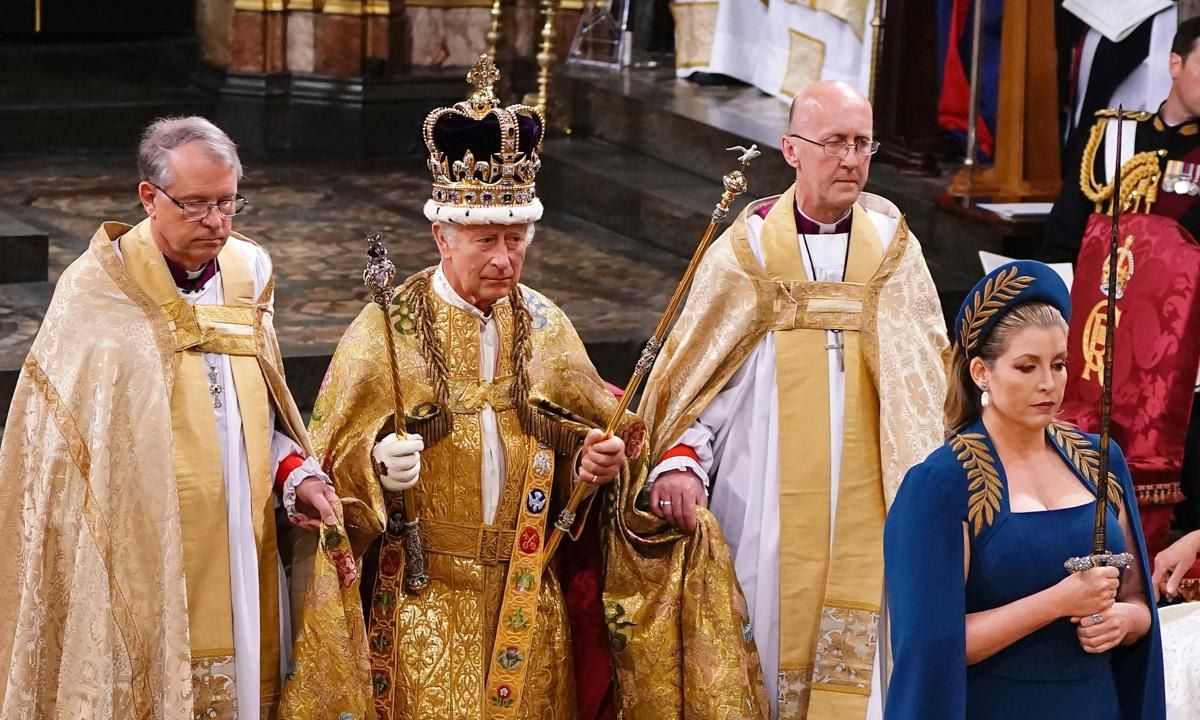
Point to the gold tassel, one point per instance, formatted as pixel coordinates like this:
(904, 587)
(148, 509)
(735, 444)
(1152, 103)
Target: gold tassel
(1140, 176)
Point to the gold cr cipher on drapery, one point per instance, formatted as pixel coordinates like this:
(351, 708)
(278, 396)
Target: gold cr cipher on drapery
(734, 184)
(379, 277)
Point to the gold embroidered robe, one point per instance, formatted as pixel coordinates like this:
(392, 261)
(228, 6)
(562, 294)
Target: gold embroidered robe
(94, 616)
(431, 653)
(895, 344)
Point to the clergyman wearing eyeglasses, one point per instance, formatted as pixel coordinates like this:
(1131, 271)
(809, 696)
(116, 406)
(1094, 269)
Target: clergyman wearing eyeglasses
(803, 379)
(149, 437)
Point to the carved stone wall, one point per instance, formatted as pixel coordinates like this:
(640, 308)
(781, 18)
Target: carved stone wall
(373, 38)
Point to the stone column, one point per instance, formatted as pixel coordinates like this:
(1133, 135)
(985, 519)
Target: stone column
(449, 33)
(258, 36)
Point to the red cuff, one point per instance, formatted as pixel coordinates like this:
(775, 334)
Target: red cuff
(286, 466)
(680, 451)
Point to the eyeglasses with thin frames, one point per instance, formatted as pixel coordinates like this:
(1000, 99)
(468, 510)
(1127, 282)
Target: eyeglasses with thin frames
(840, 148)
(199, 209)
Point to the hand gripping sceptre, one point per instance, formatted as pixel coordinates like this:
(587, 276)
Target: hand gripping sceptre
(734, 184)
(379, 277)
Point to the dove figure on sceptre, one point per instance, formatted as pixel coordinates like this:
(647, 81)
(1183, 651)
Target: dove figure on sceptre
(747, 155)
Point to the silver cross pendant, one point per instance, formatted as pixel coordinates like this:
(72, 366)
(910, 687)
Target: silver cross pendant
(214, 388)
(840, 347)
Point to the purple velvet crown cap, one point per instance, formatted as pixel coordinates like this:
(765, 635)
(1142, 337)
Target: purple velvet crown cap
(455, 134)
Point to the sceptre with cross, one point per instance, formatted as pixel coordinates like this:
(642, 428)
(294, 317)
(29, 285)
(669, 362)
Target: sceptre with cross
(734, 184)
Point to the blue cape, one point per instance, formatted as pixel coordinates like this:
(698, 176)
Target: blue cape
(923, 565)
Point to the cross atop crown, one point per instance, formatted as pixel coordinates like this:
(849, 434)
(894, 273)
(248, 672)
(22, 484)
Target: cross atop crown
(483, 75)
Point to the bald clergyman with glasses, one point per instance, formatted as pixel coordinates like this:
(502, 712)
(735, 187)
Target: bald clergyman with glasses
(150, 438)
(803, 379)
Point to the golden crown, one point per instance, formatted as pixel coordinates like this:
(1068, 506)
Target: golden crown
(483, 157)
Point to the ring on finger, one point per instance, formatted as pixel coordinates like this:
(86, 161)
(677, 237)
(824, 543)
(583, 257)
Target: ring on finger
(664, 503)
(1097, 618)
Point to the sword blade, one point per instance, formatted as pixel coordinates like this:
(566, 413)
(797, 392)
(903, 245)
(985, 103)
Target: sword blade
(1100, 537)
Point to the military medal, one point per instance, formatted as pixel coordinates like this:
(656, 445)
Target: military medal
(1181, 178)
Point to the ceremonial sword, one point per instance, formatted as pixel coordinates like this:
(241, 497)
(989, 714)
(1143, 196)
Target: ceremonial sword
(1100, 556)
(378, 277)
(734, 184)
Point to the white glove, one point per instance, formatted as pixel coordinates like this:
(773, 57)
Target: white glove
(398, 461)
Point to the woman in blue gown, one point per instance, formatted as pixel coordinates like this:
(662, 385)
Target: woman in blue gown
(984, 620)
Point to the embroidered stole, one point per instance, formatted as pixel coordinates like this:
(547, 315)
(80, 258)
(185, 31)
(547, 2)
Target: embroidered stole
(829, 593)
(231, 329)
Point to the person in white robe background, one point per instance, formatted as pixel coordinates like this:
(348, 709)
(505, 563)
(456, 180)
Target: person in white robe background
(779, 46)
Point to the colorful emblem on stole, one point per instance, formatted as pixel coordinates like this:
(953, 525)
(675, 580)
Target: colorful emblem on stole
(536, 502)
(523, 580)
(519, 608)
(503, 697)
(530, 541)
(509, 659)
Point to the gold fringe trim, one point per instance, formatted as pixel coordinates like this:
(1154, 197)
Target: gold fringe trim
(1159, 494)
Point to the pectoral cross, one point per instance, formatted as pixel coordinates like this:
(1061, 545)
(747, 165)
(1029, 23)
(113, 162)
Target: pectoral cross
(214, 387)
(840, 347)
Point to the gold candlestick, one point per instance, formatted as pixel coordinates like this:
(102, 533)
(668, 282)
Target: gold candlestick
(876, 49)
(493, 35)
(545, 58)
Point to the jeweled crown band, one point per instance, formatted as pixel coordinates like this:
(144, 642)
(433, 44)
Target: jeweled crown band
(483, 158)
(483, 196)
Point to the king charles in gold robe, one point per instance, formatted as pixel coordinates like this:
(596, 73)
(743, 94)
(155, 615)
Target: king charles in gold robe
(498, 391)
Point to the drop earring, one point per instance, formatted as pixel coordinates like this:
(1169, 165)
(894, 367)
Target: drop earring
(985, 398)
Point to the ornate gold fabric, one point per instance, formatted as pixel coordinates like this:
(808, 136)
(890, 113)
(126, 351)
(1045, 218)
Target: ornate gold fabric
(695, 23)
(734, 302)
(199, 476)
(806, 61)
(430, 653)
(329, 660)
(680, 631)
(99, 565)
